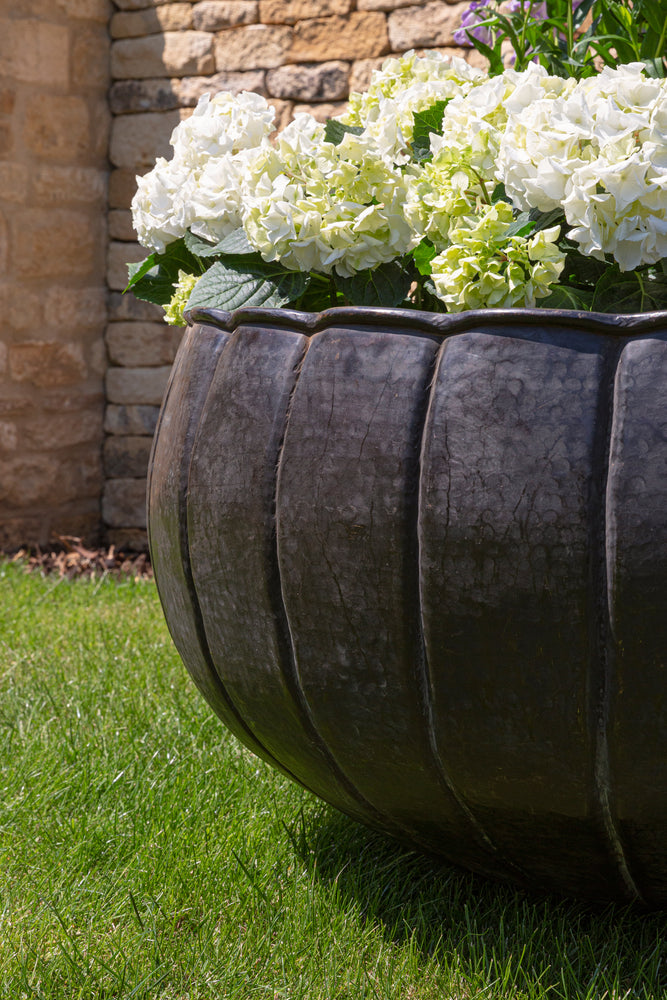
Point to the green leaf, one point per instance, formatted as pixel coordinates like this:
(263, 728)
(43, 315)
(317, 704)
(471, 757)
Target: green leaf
(335, 131)
(544, 220)
(422, 255)
(154, 279)
(500, 194)
(425, 124)
(630, 291)
(136, 271)
(566, 297)
(230, 285)
(233, 243)
(386, 285)
(521, 226)
(580, 269)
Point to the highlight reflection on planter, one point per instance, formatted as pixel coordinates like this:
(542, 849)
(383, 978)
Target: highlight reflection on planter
(419, 562)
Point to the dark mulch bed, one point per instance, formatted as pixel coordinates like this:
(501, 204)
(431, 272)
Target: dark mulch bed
(68, 558)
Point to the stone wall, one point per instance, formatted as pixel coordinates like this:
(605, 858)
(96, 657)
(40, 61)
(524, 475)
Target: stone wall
(54, 128)
(300, 54)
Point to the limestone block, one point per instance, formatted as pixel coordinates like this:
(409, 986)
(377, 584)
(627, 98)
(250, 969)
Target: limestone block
(118, 257)
(291, 11)
(61, 399)
(25, 480)
(160, 94)
(137, 385)
(7, 100)
(124, 503)
(358, 36)
(13, 182)
(255, 46)
(33, 51)
(62, 241)
(126, 456)
(122, 188)
(191, 88)
(20, 312)
(361, 72)
(321, 112)
(174, 53)
(310, 81)
(120, 227)
(58, 184)
(139, 4)
(214, 15)
(153, 20)
(90, 10)
(6, 138)
(386, 4)
(136, 140)
(133, 345)
(129, 307)
(47, 363)
(90, 57)
(133, 419)
(79, 10)
(4, 243)
(431, 25)
(3, 358)
(63, 430)
(9, 435)
(79, 309)
(58, 127)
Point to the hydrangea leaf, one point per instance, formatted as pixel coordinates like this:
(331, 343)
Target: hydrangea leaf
(233, 243)
(231, 285)
(386, 285)
(565, 297)
(425, 124)
(422, 255)
(153, 280)
(630, 292)
(335, 131)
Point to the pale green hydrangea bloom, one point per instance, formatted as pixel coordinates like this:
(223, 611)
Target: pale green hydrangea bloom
(483, 267)
(173, 312)
(316, 206)
(401, 88)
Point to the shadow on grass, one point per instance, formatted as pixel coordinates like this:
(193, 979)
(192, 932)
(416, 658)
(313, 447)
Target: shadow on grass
(506, 939)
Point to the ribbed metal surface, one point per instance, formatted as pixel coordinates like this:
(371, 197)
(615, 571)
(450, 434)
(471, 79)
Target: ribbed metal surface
(418, 562)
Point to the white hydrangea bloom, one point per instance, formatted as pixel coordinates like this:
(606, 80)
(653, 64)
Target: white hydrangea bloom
(316, 206)
(201, 187)
(153, 214)
(224, 123)
(599, 151)
(478, 119)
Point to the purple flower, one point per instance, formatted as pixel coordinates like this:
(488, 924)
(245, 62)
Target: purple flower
(536, 10)
(472, 15)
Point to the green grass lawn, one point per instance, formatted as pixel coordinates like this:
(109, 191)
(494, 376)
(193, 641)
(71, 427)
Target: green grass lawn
(145, 854)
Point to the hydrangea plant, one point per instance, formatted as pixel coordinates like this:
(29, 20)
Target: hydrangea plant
(441, 188)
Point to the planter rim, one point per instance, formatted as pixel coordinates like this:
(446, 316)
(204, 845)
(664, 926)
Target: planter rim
(444, 324)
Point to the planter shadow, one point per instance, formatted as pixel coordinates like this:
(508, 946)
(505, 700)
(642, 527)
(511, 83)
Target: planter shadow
(419, 562)
(553, 945)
